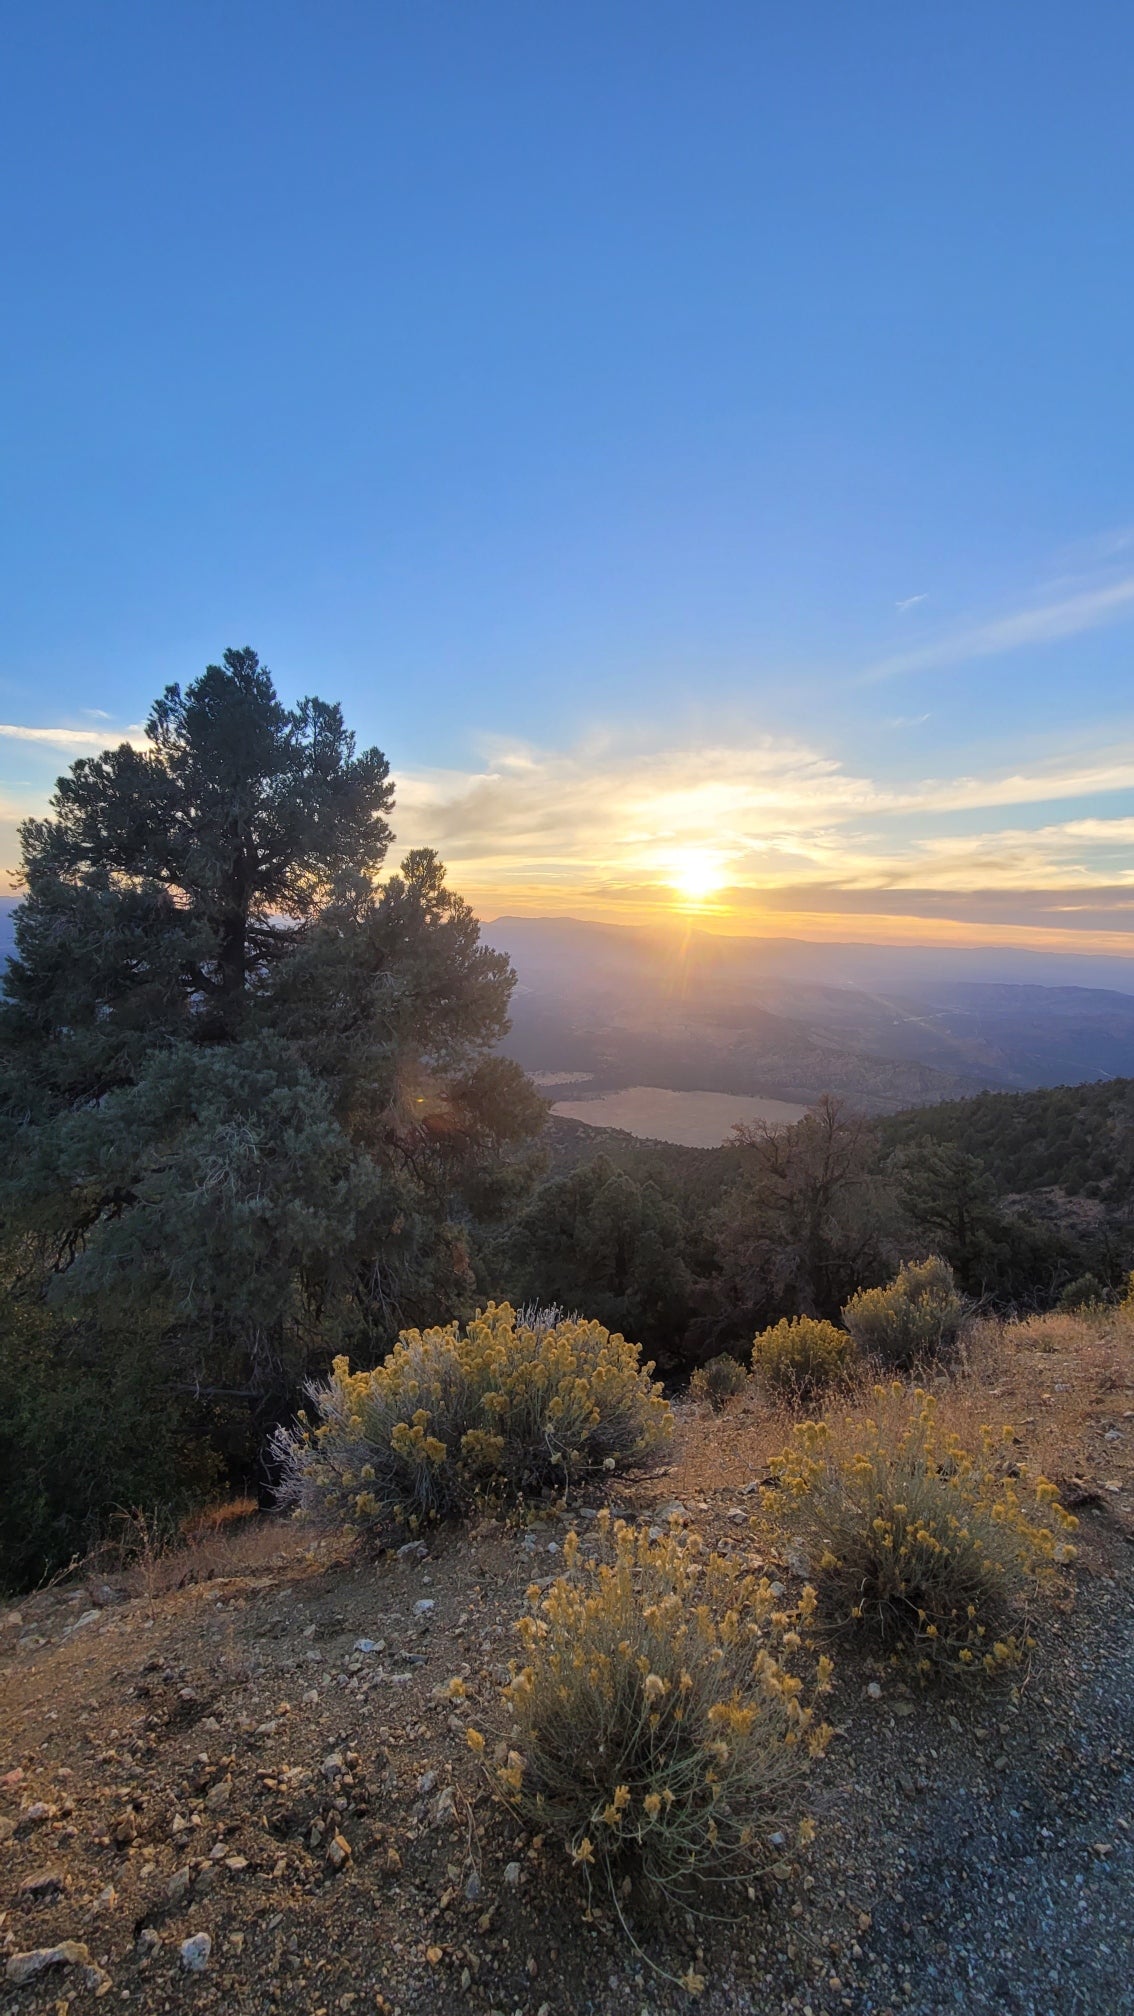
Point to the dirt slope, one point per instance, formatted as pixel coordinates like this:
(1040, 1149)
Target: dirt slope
(262, 1759)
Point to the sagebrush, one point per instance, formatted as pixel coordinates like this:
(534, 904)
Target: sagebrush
(495, 1410)
(659, 1728)
(919, 1316)
(931, 1548)
(801, 1357)
(718, 1381)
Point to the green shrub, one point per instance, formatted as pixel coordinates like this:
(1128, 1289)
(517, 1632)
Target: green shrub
(800, 1357)
(718, 1381)
(89, 1426)
(919, 1316)
(659, 1731)
(915, 1539)
(498, 1409)
(1087, 1292)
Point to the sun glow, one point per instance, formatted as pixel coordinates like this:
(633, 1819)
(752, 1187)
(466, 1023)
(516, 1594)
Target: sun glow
(696, 874)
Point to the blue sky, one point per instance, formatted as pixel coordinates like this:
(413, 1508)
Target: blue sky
(694, 440)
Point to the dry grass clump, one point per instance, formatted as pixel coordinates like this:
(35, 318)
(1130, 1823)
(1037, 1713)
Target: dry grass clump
(918, 1317)
(918, 1540)
(718, 1381)
(496, 1410)
(660, 1732)
(800, 1357)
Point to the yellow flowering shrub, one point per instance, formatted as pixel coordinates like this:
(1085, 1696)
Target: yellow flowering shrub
(929, 1546)
(659, 1728)
(918, 1317)
(800, 1357)
(719, 1381)
(494, 1410)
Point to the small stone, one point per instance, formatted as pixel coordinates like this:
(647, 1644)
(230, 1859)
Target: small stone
(7, 1828)
(426, 1783)
(23, 1967)
(333, 1766)
(219, 1795)
(35, 1814)
(512, 1875)
(874, 1691)
(177, 1888)
(412, 1550)
(473, 1889)
(673, 1509)
(737, 1517)
(195, 1952)
(41, 1883)
(338, 1853)
(1000, 1763)
(148, 1939)
(423, 1607)
(236, 1863)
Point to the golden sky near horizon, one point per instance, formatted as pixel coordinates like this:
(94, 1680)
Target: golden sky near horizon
(768, 835)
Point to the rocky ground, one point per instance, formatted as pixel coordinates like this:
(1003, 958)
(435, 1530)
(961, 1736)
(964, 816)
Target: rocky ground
(251, 1792)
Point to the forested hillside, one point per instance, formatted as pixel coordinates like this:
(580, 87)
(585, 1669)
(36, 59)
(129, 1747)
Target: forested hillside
(1078, 1138)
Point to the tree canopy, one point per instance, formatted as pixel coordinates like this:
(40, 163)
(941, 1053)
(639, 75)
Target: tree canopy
(250, 1096)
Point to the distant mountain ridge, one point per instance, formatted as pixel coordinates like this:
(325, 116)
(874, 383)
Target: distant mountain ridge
(887, 1027)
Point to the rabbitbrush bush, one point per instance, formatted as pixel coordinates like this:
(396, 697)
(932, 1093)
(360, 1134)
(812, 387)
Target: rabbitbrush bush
(659, 1729)
(454, 1415)
(718, 1381)
(801, 1356)
(918, 1317)
(927, 1546)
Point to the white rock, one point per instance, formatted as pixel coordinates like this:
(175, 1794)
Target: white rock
(195, 1952)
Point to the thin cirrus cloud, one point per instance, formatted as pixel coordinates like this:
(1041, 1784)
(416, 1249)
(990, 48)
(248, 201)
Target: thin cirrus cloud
(1069, 617)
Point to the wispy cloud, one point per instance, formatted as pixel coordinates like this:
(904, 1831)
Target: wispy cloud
(61, 738)
(612, 817)
(910, 602)
(1043, 625)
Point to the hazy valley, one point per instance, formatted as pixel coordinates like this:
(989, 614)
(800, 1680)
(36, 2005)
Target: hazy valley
(606, 1013)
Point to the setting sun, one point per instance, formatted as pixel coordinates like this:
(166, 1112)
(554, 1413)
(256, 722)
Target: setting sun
(697, 874)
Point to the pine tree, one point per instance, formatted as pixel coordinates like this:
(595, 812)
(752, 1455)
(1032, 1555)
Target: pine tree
(249, 1103)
